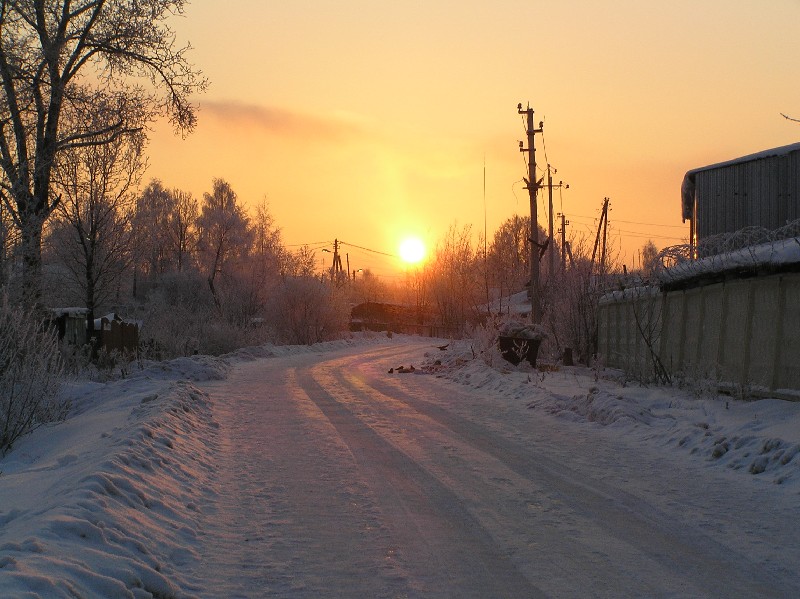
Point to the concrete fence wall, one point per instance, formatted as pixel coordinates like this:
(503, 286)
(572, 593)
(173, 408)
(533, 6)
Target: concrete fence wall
(744, 332)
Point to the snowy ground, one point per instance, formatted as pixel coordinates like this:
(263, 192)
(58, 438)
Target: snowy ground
(188, 479)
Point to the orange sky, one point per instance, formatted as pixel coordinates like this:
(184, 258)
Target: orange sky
(368, 121)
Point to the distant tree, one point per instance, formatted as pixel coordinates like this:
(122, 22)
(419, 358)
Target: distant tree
(509, 255)
(453, 279)
(256, 273)
(224, 233)
(268, 254)
(182, 226)
(571, 305)
(92, 233)
(367, 287)
(164, 231)
(305, 310)
(301, 263)
(59, 61)
(649, 258)
(153, 210)
(508, 259)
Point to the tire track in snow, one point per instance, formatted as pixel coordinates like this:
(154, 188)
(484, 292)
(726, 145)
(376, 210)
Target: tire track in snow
(444, 547)
(291, 517)
(657, 557)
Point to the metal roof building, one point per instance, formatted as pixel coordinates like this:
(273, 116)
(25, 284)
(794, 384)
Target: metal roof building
(758, 190)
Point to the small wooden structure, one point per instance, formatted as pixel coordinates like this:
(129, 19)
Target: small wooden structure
(396, 318)
(115, 334)
(71, 325)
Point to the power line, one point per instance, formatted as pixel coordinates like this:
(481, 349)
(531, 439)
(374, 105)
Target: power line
(317, 243)
(369, 250)
(630, 222)
(647, 236)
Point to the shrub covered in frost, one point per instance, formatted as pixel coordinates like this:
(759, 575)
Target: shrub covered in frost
(30, 374)
(521, 330)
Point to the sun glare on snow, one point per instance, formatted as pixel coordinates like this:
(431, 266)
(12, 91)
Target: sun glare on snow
(412, 250)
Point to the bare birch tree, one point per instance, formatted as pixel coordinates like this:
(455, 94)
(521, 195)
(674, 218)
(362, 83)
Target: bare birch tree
(59, 59)
(92, 231)
(183, 227)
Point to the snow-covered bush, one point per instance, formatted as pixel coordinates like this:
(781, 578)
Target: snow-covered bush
(176, 316)
(483, 341)
(523, 330)
(304, 311)
(571, 315)
(30, 374)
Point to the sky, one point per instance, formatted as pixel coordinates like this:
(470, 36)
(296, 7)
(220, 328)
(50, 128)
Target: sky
(369, 122)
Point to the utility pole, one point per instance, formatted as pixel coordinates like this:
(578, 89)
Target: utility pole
(336, 268)
(532, 186)
(563, 231)
(551, 251)
(601, 227)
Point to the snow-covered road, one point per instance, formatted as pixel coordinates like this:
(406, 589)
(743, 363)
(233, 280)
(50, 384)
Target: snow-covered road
(335, 478)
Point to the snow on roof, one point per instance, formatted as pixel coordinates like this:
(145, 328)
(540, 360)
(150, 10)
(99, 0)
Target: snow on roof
(780, 151)
(69, 311)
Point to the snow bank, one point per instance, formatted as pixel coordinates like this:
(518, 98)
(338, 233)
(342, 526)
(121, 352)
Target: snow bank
(108, 503)
(757, 438)
(104, 504)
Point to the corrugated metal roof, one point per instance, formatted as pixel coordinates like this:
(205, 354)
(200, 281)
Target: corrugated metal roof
(688, 183)
(781, 151)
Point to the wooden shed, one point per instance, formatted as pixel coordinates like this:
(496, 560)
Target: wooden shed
(758, 190)
(71, 325)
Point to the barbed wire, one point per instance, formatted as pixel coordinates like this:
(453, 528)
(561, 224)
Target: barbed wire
(747, 247)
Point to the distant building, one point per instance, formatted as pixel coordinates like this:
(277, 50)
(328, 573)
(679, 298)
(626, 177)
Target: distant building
(395, 318)
(111, 332)
(759, 190)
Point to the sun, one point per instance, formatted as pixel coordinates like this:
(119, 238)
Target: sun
(412, 250)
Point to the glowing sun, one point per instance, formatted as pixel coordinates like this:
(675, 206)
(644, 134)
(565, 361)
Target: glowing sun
(412, 250)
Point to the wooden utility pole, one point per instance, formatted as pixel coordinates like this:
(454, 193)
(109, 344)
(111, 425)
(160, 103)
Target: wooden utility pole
(601, 227)
(552, 249)
(532, 186)
(551, 262)
(563, 231)
(336, 268)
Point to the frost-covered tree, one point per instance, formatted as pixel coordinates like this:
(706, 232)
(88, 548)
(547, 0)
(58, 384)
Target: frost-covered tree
(306, 310)
(59, 60)
(91, 235)
(453, 279)
(225, 234)
(267, 253)
(649, 258)
(154, 206)
(301, 263)
(182, 227)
